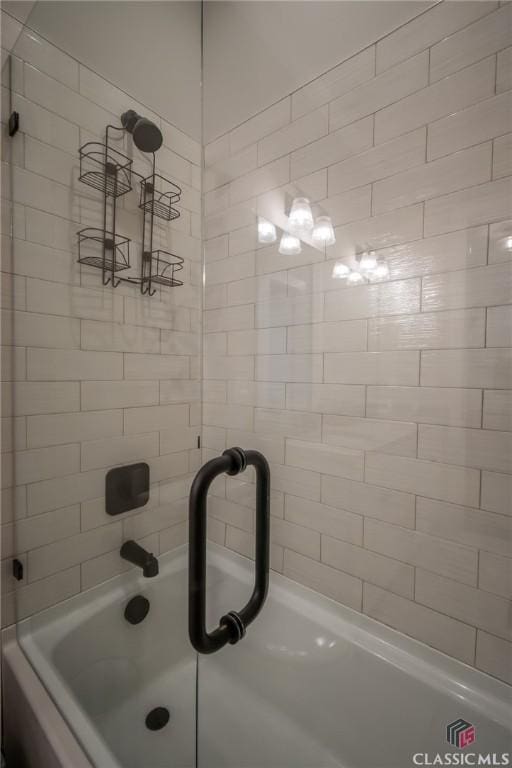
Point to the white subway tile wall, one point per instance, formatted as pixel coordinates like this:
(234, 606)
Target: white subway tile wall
(385, 409)
(102, 377)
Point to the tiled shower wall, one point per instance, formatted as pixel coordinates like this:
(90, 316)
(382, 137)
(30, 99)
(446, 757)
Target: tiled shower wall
(93, 377)
(385, 410)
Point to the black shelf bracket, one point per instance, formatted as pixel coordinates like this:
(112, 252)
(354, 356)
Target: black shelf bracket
(17, 569)
(14, 123)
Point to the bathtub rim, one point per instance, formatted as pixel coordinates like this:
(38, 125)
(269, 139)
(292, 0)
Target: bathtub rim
(52, 729)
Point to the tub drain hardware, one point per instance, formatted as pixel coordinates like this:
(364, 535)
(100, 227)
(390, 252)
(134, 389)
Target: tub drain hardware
(136, 609)
(157, 718)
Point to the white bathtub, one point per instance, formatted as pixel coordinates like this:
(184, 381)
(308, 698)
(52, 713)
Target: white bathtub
(312, 685)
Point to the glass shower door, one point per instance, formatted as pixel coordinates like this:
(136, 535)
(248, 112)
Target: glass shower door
(253, 288)
(87, 388)
(357, 293)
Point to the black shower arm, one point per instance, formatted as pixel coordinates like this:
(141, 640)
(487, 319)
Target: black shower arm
(233, 625)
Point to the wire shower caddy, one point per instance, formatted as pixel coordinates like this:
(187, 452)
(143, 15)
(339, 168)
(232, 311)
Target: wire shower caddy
(111, 172)
(158, 197)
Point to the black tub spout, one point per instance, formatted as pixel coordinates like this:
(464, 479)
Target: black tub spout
(137, 555)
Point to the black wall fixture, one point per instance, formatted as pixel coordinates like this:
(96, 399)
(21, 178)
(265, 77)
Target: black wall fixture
(111, 172)
(17, 569)
(126, 488)
(146, 135)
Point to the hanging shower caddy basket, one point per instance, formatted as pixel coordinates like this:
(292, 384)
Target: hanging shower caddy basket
(159, 195)
(161, 266)
(90, 249)
(105, 168)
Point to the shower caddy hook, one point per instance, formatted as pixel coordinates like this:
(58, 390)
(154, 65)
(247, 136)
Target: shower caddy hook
(111, 172)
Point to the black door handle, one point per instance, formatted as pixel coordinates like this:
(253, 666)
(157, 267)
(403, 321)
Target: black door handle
(233, 625)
